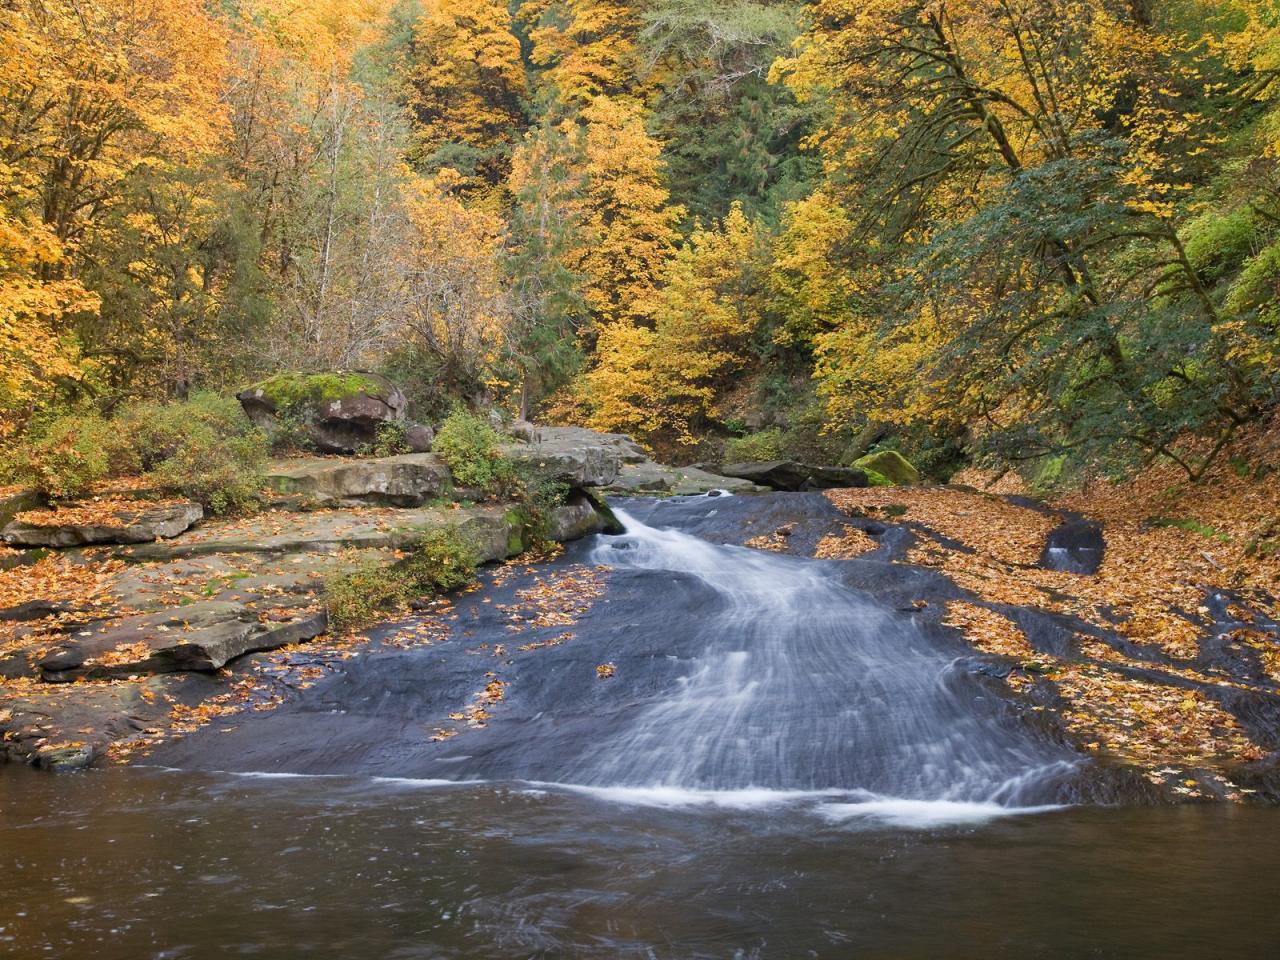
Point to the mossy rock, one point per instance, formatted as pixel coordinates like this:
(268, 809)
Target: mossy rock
(290, 391)
(338, 412)
(889, 466)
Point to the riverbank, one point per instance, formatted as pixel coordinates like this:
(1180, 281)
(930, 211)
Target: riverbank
(124, 633)
(1148, 646)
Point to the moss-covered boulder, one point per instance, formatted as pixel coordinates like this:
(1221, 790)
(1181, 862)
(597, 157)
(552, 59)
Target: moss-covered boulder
(888, 468)
(338, 412)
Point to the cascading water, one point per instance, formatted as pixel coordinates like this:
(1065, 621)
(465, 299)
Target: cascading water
(802, 684)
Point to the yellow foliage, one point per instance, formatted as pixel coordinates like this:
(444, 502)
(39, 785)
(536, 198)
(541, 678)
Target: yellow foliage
(586, 47)
(455, 304)
(664, 379)
(467, 79)
(91, 92)
(630, 228)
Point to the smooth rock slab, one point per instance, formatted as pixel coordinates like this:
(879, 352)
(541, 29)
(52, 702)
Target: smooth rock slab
(409, 480)
(143, 525)
(200, 636)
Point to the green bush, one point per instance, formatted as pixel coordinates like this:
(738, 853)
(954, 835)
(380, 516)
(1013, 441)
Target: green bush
(441, 560)
(360, 594)
(147, 434)
(388, 441)
(472, 450)
(223, 473)
(755, 448)
(65, 457)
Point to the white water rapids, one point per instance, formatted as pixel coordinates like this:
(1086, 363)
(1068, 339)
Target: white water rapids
(807, 690)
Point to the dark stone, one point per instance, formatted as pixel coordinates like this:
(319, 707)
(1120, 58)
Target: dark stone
(791, 476)
(419, 438)
(1077, 546)
(34, 610)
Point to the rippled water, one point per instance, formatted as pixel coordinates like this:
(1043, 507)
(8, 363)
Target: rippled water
(132, 863)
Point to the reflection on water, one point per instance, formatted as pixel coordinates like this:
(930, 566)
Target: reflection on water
(134, 863)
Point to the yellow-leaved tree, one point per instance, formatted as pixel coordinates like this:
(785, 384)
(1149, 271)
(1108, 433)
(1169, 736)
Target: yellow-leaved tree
(93, 94)
(585, 47)
(630, 225)
(466, 85)
(662, 382)
(454, 306)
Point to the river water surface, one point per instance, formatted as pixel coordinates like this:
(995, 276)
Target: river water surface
(786, 763)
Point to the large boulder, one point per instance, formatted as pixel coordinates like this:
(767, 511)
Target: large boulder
(78, 527)
(573, 455)
(792, 476)
(891, 466)
(337, 412)
(409, 480)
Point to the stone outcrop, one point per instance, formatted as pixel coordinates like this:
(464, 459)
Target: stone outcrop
(200, 636)
(338, 412)
(146, 523)
(409, 480)
(573, 455)
(791, 476)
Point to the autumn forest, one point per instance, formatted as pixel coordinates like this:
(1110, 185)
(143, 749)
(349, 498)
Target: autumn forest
(639, 479)
(1003, 231)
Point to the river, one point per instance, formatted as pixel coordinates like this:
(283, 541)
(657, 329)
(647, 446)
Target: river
(782, 762)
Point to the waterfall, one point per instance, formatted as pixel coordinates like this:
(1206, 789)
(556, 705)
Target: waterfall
(803, 684)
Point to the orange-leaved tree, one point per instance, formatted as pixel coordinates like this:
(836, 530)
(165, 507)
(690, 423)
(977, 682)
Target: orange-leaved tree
(466, 84)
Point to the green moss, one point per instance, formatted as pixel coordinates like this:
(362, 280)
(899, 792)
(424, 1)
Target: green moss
(877, 479)
(756, 448)
(1190, 526)
(291, 390)
(1048, 475)
(890, 465)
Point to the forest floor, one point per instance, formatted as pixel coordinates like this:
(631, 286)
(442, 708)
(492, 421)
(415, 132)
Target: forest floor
(1168, 657)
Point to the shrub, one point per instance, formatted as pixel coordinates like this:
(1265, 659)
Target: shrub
(537, 494)
(755, 448)
(441, 560)
(66, 456)
(223, 473)
(147, 434)
(471, 449)
(388, 441)
(358, 595)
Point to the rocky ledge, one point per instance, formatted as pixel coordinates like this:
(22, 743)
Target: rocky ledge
(140, 607)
